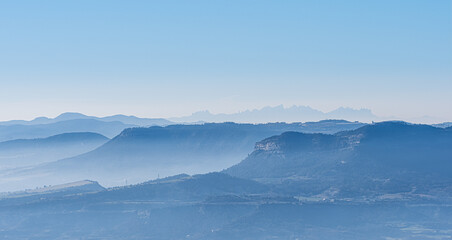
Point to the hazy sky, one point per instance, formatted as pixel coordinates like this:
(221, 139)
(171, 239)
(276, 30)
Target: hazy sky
(170, 58)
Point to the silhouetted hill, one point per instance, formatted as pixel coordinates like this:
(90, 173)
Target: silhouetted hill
(380, 158)
(143, 122)
(109, 129)
(281, 114)
(25, 152)
(63, 138)
(128, 120)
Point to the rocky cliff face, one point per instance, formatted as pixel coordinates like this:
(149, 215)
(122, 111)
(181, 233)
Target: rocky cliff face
(389, 156)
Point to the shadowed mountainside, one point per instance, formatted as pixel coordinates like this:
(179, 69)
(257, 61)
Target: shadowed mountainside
(26, 152)
(381, 158)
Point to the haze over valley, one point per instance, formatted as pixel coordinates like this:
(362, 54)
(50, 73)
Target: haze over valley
(231, 180)
(226, 120)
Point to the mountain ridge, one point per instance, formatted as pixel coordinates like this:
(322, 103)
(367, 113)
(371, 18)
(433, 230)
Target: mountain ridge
(108, 129)
(130, 120)
(406, 155)
(281, 114)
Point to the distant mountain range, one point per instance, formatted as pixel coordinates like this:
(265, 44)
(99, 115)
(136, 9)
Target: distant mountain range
(108, 129)
(29, 152)
(111, 126)
(128, 120)
(73, 122)
(281, 114)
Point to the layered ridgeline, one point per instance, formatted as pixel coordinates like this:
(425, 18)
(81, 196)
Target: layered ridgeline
(388, 180)
(139, 154)
(28, 152)
(73, 122)
(389, 159)
(131, 120)
(108, 129)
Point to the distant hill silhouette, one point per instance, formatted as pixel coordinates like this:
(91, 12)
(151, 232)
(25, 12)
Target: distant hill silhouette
(108, 129)
(281, 114)
(128, 120)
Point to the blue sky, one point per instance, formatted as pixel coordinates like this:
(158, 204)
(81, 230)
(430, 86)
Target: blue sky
(171, 58)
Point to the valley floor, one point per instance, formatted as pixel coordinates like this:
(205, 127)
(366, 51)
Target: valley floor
(227, 217)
